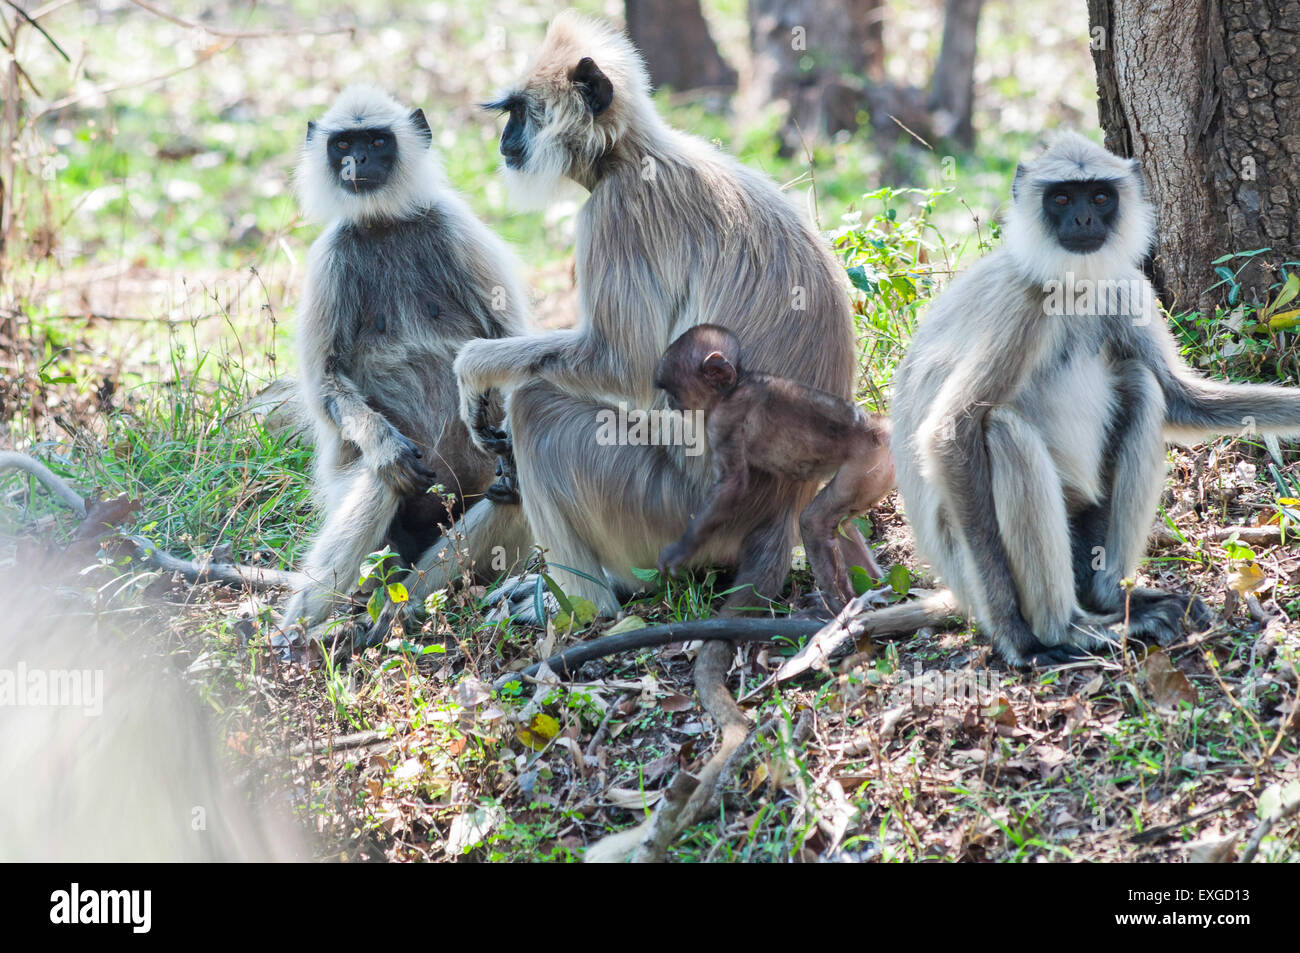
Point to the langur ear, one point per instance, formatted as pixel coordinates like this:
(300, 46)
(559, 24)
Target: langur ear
(718, 372)
(1015, 183)
(311, 129)
(596, 89)
(421, 126)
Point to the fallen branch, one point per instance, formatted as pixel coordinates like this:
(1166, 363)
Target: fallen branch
(201, 570)
(195, 571)
(10, 460)
(1163, 537)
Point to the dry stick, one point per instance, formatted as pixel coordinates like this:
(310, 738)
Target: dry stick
(193, 570)
(1250, 535)
(10, 460)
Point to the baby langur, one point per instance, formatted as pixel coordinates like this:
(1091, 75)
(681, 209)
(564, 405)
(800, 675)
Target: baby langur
(402, 276)
(786, 429)
(1032, 409)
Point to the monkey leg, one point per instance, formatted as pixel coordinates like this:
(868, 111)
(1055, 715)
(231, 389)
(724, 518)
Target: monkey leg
(764, 567)
(359, 510)
(857, 552)
(818, 525)
(1029, 505)
(1109, 537)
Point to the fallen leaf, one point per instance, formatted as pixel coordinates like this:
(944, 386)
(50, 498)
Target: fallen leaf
(676, 702)
(1167, 685)
(539, 731)
(1246, 579)
(106, 515)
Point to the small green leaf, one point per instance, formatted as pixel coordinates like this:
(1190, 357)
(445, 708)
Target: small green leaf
(861, 580)
(627, 624)
(899, 579)
(375, 605)
(645, 575)
(556, 591)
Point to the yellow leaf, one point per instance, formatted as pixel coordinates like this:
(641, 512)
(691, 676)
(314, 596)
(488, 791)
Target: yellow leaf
(539, 731)
(1283, 320)
(397, 592)
(1246, 579)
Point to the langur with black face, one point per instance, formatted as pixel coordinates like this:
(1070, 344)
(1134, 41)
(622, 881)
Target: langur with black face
(674, 233)
(402, 276)
(1032, 409)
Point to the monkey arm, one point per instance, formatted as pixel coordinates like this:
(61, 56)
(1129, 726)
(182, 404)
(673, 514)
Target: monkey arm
(391, 454)
(575, 361)
(954, 447)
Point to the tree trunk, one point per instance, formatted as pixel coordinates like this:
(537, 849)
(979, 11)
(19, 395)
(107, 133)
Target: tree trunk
(1206, 95)
(952, 88)
(674, 39)
(815, 55)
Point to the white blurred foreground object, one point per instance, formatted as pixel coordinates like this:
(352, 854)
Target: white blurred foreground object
(107, 755)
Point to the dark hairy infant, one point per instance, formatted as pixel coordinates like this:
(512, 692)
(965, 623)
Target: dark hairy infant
(782, 427)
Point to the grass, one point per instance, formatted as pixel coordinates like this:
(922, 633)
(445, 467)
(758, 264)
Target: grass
(169, 213)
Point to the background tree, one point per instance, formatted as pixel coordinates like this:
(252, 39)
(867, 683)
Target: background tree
(679, 51)
(1207, 97)
(825, 58)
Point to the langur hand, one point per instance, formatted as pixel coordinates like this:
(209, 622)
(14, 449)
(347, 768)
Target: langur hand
(673, 556)
(401, 466)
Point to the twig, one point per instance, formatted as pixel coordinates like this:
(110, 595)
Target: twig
(193, 570)
(11, 460)
(1250, 535)
(39, 29)
(340, 743)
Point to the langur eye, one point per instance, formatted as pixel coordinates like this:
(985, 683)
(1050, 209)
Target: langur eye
(1060, 198)
(343, 145)
(1101, 198)
(378, 141)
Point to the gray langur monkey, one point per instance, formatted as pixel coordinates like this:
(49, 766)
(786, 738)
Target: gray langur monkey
(674, 233)
(402, 276)
(1031, 413)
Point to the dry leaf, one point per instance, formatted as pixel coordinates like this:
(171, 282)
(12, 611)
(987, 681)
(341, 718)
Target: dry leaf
(1246, 579)
(1166, 684)
(676, 702)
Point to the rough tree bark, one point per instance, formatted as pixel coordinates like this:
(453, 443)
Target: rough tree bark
(1206, 95)
(674, 38)
(952, 87)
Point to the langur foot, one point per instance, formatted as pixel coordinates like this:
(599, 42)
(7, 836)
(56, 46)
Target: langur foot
(1164, 616)
(516, 599)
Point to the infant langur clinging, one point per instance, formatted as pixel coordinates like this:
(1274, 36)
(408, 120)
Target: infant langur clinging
(787, 429)
(401, 277)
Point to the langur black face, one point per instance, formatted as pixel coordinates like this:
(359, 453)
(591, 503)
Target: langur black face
(1082, 214)
(364, 158)
(514, 140)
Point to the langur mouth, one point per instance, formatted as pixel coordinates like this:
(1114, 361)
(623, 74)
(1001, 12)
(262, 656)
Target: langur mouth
(359, 185)
(1082, 245)
(514, 162)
